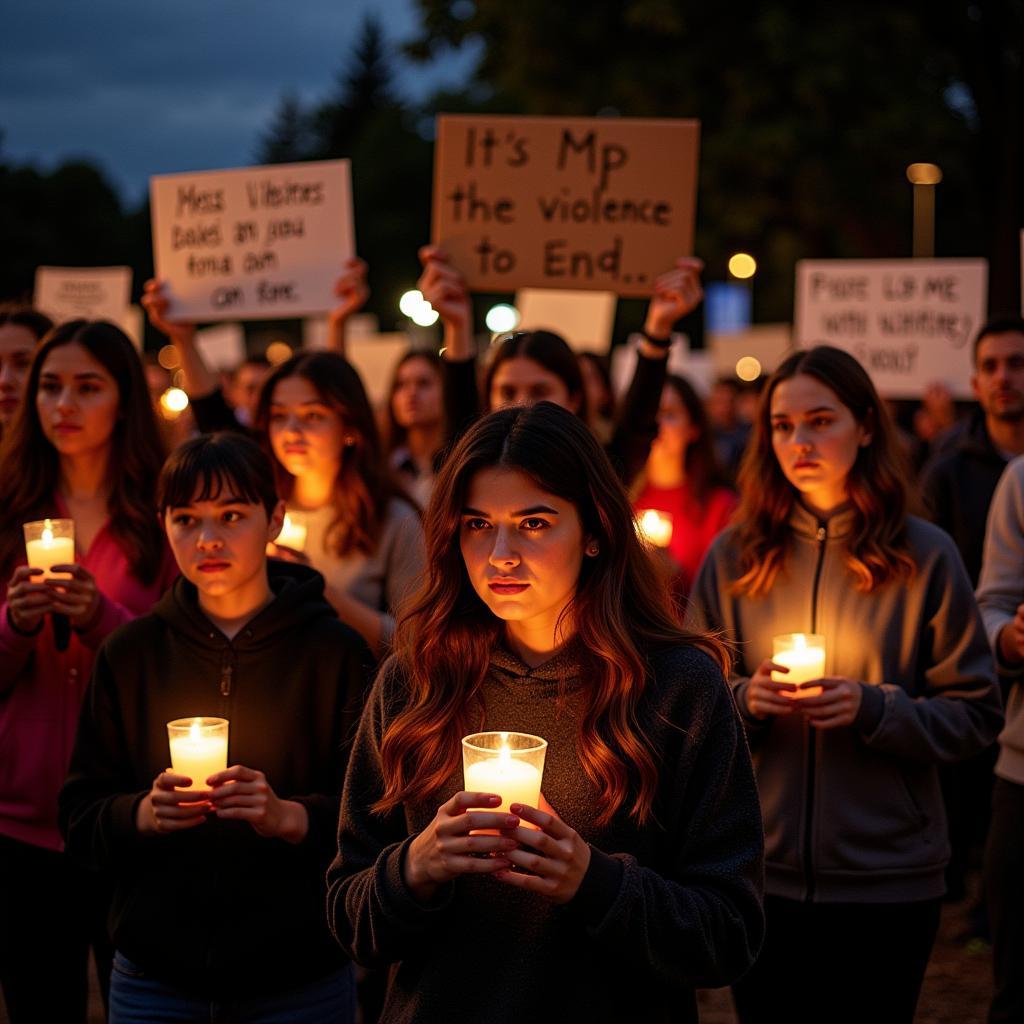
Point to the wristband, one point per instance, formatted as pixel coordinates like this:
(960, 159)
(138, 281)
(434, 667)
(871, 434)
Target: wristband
(663, 343)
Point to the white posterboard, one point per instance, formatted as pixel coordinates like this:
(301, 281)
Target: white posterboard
(769, 344)
(909, 322)
(253, 243)
(584, 319)
(83, 293)
(222, 346)
(375, 358)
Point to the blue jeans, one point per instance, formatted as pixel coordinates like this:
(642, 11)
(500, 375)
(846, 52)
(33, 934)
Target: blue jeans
(138, 999)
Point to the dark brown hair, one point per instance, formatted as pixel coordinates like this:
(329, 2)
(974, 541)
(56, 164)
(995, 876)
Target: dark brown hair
(363, 485)
(621, 611)
(29, 464)
(395, 434)
(38, 324)
(877, 549)
(547, 349)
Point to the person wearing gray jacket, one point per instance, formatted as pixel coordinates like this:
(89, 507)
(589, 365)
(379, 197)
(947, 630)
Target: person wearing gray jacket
(846, 764)
(1001, 597)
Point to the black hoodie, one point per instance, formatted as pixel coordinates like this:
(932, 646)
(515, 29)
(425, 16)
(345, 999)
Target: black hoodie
(219, 910)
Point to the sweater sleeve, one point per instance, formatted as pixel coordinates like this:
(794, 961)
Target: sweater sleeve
(1001, 584)
(959, 712)
(637, 421)
(371, 912)
(97, 803)
(697, 921)
(461, 394)
(16, 650)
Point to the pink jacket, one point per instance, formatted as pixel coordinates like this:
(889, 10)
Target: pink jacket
(41, 691)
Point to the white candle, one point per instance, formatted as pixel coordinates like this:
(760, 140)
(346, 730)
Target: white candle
(50, 542)
(199, 748)
(510, 765)
(804, 656)
(655, 527)
(293, 533)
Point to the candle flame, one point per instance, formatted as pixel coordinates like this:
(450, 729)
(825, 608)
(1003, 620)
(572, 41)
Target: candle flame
(504, 754)
(799, 642)
(193, 733)
(47, 536)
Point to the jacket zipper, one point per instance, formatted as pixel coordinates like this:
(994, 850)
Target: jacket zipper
(812, 734)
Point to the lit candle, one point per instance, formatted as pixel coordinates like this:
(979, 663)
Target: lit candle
(199, 748)
(50, 542)
(293, 533)
(510, 764)
(654, 527)
(804, 655)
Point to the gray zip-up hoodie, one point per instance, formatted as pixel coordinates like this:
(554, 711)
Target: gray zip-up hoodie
(1000, 590)
(855, 813)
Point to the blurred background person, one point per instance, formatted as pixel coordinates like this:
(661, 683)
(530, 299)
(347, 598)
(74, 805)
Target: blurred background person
(21, 329)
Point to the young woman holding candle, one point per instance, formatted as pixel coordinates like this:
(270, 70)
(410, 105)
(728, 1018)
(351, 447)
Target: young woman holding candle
(84, 446)
(855, 831)
(362, 533)
(682, 478)
(536, 366)
(638, 877)
(219, 889)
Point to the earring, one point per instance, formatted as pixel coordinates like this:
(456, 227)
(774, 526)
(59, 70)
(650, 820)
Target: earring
(593, 549)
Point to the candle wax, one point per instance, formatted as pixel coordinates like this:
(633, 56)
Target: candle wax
(656, 528)
(198, 756)
(49, 551)
(804, 664)
(515, 781)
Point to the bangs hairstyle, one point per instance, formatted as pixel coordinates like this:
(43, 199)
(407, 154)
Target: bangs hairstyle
(621, 611)
(30, 467)
(226, 464)
(363, 485)
(547, 349)
(877, 549)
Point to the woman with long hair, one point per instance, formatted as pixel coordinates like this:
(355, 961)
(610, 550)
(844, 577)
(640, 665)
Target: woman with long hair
(637, 878)
(538, 365)
(846, 763)
(21, 329)
(416, 426)
(682, 479)
(362, 533)
(84, 446)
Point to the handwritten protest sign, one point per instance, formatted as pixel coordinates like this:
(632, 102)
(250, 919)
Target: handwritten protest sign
(254, 243)
(90, 293)
(584, 319)
(910, 322)
(576, 203)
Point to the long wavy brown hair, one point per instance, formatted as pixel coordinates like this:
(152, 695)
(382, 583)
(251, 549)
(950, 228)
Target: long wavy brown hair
(621, 612)
(30, 467)
(877, 550)
(363, 485)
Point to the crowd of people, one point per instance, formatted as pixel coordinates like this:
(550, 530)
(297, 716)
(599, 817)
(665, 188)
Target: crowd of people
(356, 589)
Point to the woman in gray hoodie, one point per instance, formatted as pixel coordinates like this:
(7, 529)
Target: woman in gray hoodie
(846, 764)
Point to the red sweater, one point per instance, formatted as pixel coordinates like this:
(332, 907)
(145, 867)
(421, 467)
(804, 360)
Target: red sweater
(694, 524)
(41, 690)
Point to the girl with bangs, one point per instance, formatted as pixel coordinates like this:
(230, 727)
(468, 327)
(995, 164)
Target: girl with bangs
(638, 877)
(362, 533)
(846, 764)
(84, 446)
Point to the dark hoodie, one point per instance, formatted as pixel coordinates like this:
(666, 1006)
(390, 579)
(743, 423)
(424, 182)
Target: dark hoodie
(219, 910)
(958, 484)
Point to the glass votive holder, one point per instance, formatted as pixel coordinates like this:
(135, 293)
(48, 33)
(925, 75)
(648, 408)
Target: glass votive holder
(50, 542)
(199, 748)
(804, 655)
(510, 764)
(654, 526)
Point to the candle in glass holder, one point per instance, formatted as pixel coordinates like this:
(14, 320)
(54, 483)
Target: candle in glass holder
(199, 748)
(293, 532)
(654, 527)
(50, 542)
(510, 764)
(804, 655)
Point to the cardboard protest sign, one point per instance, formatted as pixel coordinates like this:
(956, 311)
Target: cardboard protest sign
(253, 243)
(90, 293)
(910, 322)
(550, 202)
(584, 319)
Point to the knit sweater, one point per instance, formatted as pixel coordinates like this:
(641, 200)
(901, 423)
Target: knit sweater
(663, 908)
(218, 909)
